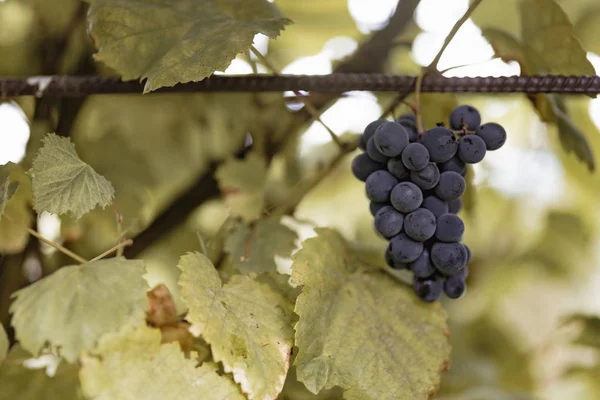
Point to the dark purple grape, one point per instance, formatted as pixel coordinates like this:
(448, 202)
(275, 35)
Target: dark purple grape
(379, 185)
(464, 273)
(404, 249)
(436, 205)
(363, 166)
(450, 228)
(454, 206)
(441, 143)
(406, 197)
(454, 164)
(390, 260)
(451, 186)
(467, 115)
(449, 258)
(390, 139)
(368, 133)
(428, 289)
(375, 154)
(468, 254)
(396, 167)
(493, 135)
(407, 117)
(374, 207)
(388, 221)
(415, 156)
(455, 287)
(422, 266)
(426, 178)
(419, 225)
(409, 122)
(471, 149)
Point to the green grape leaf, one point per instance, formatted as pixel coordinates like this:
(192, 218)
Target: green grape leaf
(587, 29)
(547, 31)
(243, 183)
(132, 365)
(589, 333)
(509, 48)
(26, 383)
(4, 343)
(253, 248)
(63, 183)
(73, 307)
(8, 189)
(247, 324)
(173, 41)
(13, 236)
(362, 330)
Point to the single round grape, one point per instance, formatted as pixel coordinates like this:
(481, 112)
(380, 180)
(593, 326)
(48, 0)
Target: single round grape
(455, 287)
(415, 156)
(409, 122)
(436, 205)
(449, 228)
(363, 166)
(379, 185)
(441, 143)
(375, 154)
(404, 249)
(397, 168)
(454, 206)
(390, 260)
(426, 178)
(368, 133)
(390, 138)
(407, 117)
(467, 115)
(374, 207)
(493, 135)
(422, 266)
(449, 258)
(420, 225)
(471, 149)
(388, 221)
(451, 186)
(428, 289)
(406, 197)
(454, 164)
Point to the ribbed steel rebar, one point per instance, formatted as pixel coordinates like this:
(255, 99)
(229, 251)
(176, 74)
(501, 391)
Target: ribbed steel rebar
(73, 86)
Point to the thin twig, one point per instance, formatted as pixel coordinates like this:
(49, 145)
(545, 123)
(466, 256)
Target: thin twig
(418, 115)
(119, 217)
(49, 242)
(434, 64)
(117, 247)
(309, 106)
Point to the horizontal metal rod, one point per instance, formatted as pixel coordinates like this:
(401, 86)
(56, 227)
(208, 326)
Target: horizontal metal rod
(74, 86)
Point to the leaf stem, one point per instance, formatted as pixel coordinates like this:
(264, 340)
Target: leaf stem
(49, 242)
(117, 247)
(434, 64)
(309, 106)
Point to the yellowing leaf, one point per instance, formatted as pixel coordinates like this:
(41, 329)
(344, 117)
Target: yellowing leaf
(253, 249)
(587, 29)
(362, 330)
(242, 183)
(63, 183)
(13, 236)
(8, 188)
(73, 307)
(247, 324)
(4, 343)
(19, 382)
(547, 31)
(133, 365)
(172, 41)
(508, 48)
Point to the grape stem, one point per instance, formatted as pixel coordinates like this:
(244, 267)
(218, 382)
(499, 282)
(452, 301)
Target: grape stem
(418, 104)
(49, 242)
(119, 217)
(308, 105)
(116, 247)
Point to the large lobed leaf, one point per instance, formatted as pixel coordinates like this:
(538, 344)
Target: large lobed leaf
(133, 365)
(19, 382)
(63, 183)
(173, 41)
(73, 307)
(253, 248)
(362, 330)
(247, 324)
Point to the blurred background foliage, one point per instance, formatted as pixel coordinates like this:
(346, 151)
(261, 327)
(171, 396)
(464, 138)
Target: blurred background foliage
(528, 327)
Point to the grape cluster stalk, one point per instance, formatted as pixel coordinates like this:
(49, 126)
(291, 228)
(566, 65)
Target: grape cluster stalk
(415, 184)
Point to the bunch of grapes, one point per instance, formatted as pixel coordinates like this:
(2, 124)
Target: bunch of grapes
(415, 184)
